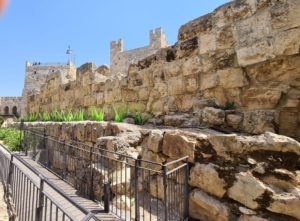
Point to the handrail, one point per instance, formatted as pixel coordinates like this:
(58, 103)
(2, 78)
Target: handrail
(49, 183)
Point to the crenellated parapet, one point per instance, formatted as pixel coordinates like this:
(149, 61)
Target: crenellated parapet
(120, 59)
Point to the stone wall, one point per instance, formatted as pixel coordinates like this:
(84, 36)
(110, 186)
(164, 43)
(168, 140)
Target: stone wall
(10, 105)
(237, 67)
(120, 59)
(232, 177)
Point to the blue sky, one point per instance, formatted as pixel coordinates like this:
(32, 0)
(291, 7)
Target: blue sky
(41, 30)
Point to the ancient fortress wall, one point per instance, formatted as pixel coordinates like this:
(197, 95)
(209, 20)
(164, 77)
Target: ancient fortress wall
(120, 59)
(246, 52)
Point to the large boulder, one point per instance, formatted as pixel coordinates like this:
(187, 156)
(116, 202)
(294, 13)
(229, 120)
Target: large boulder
(247, 190)
(177, 144)
(204, 207)
(206, 177)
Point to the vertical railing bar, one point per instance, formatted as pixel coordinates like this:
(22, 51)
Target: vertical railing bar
(165, 183)
(40, 206)
(137, 209)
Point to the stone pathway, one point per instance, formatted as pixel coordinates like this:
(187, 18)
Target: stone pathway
(3, 206)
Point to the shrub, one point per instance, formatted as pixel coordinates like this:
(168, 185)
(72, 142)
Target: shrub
(120, 113)
(11, 137)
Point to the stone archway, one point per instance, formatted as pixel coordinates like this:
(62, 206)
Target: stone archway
(6, 110)
(15, 111)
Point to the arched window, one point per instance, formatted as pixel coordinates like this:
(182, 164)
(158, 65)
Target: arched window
(6, 110)
(15, 111)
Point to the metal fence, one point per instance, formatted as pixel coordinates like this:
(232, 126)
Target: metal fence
(131, 188)
(34, 197)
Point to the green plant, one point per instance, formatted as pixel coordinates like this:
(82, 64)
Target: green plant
(79, 115)
(12, 138)
(120, 113)
(140, 118)
(96, 114)
(1, 120)
(229, 106)
(69, 116)
(45, 117)
(57, 116)
(32, 117)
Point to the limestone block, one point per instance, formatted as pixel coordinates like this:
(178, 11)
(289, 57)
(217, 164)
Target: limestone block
(156, 187)
(286, 203)
(213, 116)
(192, 83)
(209, 81)
(79, 131)
(288, 123)
(206, 177)
(252, 29)
(120, 180)
(143, 94)
(207, 42)
(285, 14)
(225, 38)
(124, 202)
(232, 78)
(175, 120)
(226, 145)
(261, 98)
(234, 120)
(259, 121)
(152, 156)
(155, 140)
(205, 207)
(247, 189)
(287, 42)
(177, 144)
(191, 66)
(251, 218)
(257, 52)
(176, 86)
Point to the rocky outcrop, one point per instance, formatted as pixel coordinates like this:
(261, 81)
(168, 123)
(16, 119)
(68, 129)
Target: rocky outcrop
(232, 177)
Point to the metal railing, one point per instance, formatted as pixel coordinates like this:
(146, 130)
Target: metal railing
(131, 188)
(34, 197)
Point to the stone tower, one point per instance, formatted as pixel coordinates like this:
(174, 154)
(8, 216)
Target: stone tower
(36, 75)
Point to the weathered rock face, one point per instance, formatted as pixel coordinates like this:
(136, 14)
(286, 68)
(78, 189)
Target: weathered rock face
(232, 177)
(244, 53)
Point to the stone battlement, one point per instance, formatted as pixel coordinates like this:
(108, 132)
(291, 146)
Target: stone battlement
(120, 59)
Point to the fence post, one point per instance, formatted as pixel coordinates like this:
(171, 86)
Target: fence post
(39, 209)
(136, 172)
(47, 150)
(64, 161)
(186, 191)
(21, 129)
(106, 191)
(165, 183)
(10, 170)
(92, 175)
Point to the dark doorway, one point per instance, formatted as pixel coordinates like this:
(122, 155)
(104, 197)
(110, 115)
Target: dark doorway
(6, 110)
(15, 111)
